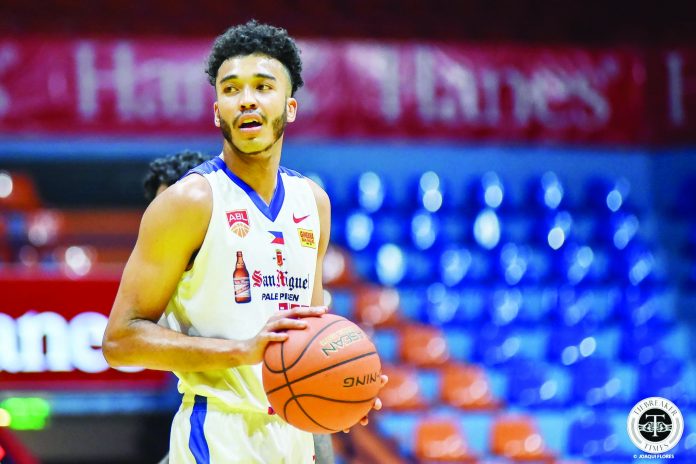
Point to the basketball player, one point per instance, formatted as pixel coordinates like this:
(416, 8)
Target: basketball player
(243, 214)
(164, 172)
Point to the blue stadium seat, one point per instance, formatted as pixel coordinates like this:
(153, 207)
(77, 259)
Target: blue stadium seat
(535, 384)
(497, 345)
(394, 265)
(643, 344)
(387, 343)
(666, 377)
(456, 229)
(504, 307)
(553, 230)
(620, 230)
(569, 345)
(604, 197)
(358, 229)
(578, 264)
(442, 304)
(370, 192)
(585, 307)
(686, 449)
(487, 191)
(460, 342)
(593, 437)
(400, 427)
(413, 301)
(429, 382)
(432, 193)
(513, 263)
(472, 301)
(599, 382)
(476, 427)
(655, 307)
(544, 194)
(342, 302)
(424, 230)
(454, 263)
(390, 227)
(537, 303)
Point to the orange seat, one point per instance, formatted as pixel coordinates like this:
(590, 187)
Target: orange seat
(516, 437)
(423, 346)
(18, 192)
(376, 306)
(441, 440)
(403, 391)
(467, 387)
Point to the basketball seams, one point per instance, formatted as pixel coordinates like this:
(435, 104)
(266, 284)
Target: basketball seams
(311, 340)
(327, 368)
(294, 398)
(307, 345)
(297, 400)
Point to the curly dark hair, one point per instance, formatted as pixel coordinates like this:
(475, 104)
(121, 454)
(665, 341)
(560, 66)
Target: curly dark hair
(168, 169)
(250, 38)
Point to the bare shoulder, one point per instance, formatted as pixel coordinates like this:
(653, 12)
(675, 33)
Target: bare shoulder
(186, 206)
(321, 197)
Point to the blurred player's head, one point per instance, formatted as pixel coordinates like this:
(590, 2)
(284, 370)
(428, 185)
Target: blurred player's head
(255, 69)
(166, 170)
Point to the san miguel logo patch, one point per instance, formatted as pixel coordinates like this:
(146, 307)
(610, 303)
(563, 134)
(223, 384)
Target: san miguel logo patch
(238, 221)
(307, 238)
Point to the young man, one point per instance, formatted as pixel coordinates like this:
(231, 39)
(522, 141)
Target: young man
(241, 214)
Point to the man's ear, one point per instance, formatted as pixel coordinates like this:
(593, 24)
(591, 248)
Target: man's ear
(217, 114)
(291, 107)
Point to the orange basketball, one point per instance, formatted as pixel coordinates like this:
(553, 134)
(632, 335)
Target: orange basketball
(324, 378)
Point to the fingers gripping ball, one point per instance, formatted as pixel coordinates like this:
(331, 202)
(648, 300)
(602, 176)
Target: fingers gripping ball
(324, 378)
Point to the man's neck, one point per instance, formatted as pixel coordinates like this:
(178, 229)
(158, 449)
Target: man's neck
(259, 170)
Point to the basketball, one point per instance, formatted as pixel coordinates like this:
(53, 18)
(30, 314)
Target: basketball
(325, 378)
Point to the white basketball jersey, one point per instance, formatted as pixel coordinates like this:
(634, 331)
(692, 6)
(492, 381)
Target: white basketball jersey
(278, 244)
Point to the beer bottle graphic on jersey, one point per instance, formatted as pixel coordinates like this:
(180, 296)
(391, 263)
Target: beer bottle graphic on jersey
(242, 285)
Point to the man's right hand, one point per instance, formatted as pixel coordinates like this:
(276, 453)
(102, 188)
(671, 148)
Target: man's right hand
(276, 329)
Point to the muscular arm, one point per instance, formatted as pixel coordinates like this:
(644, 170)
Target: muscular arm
(323, 448)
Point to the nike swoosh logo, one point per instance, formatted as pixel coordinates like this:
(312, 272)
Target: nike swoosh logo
(300, 219)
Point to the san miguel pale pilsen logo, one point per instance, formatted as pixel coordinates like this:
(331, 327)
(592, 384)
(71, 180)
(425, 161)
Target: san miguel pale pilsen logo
(655, 425)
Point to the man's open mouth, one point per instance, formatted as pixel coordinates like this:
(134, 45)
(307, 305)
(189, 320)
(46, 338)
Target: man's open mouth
(249, 124)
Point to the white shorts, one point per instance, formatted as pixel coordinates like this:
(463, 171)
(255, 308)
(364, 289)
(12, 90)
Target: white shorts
(204, 434)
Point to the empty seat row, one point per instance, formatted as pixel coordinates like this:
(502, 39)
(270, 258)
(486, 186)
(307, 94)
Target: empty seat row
(581, 435)
(520, 307)
(525, 383)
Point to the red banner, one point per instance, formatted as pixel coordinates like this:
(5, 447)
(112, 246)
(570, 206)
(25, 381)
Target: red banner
(51, 331)
(158, 88)
(671, 96)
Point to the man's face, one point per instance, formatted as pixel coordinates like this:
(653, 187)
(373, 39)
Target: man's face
(253, 102)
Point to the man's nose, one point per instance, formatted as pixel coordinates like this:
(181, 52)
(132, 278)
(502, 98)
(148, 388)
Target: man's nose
(248, 100)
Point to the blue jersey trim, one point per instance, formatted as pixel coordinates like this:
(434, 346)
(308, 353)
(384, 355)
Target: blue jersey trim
(206, 167)
(197, 442)
(271, 210)
(290, 172)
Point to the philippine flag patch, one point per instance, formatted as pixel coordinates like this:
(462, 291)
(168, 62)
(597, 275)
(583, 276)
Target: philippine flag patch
(277, 237)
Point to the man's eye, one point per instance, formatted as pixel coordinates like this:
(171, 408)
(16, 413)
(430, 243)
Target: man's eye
(264, 87)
